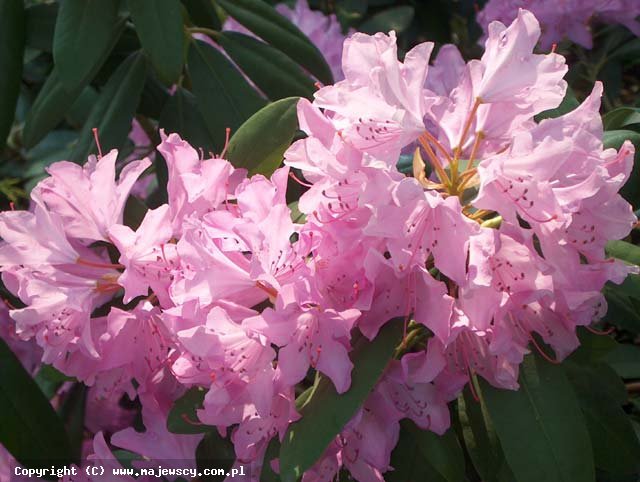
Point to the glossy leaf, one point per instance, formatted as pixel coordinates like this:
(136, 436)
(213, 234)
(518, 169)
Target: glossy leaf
(442, 452)
(114, 110)
(621, 117)
(86, 30)
(30, 430)
(540, 426)
(49, 108)
(627, 252)
(396, 18)
(159, 26)
(271, 71)
(220, 88)
(180, 114)
(615, 445)
(183, 418)
(480, 438)
(12, 35)
(260, 143)
(203, 13)
(327, 412)
(40, 25)
(214, 451)
(625, 360)
(268, 24)
(407, 460)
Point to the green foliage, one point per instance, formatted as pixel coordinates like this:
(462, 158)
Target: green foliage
(30, 429)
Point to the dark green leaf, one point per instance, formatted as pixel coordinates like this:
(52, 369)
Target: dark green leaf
(183, 417)
(268, 24)
(134, 212)
(625, 360)
(48, 110)
(50, 380)
(260, 142)
(480, 438)
(12, 35)
(114, 110)
(540, 426)
(621, 117)
(615, 445)
(181, 115)
(30, 430)
(273, 72)
(159, 27)
(407, 460)
(622, 310)
(396, 18)
(327, 412)
(41, 22)
(203, 14)
(86, 31)
(442, 452)
(213, 451)
(267, 474)
(569, 102)
(72, 413)
(220, 88)
(593, 348)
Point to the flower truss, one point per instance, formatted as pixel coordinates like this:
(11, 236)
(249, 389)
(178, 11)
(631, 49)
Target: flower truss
(567, 18)
(492, 244)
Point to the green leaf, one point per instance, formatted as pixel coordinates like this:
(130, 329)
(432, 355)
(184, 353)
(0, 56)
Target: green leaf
(48, 110)
(480, 438)
(30, 430)
(631, 190)
(273, 72)
(12, 35)
(624, 251)
(135, 210)
(540, 426)
(50, 380)
(159, 27)
(72, 413)
(615, 445)
(327, 412)
(442, 452)
(86, 31)
(593, 348)
(396, 18)
(569, 102)
(625, 360)
(180, 114)
(40, 25)
(407, 460)
(622, 311)
(621, 117)
(268, 24)
(114, 110)
(183, 417)
(266, 473)
(220, 88)
(214, 451)
(203, 14)
(260, 143)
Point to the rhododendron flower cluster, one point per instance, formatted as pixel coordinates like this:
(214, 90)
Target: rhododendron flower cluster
(494, 243)
(566, 18)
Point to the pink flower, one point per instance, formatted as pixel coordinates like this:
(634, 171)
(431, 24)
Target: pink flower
(88, 199)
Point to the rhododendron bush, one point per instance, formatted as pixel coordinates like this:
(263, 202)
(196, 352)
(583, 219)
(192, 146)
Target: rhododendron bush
(320, 240)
